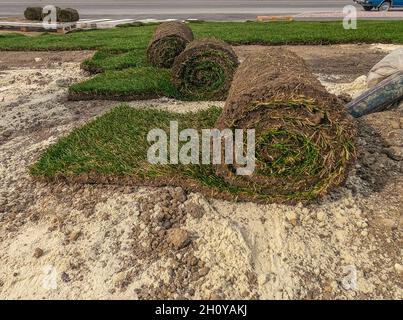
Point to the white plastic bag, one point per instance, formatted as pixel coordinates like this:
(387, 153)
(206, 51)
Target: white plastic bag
(388, 66)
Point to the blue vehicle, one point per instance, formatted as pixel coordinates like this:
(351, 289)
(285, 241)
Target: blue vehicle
(381, 5)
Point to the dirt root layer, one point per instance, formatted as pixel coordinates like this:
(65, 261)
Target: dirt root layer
(204, 71)
(305, 140)
(169, 40)
(88, 96)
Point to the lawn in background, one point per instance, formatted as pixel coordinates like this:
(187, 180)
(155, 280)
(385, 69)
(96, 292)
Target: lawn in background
(121, 62)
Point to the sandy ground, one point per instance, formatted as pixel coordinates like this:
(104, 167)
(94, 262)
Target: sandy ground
(109, 242)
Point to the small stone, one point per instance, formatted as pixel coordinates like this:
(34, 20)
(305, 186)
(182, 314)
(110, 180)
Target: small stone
(38, 253)
(395, 124)
(63, 82)
(75, 235)
(321, 216)
(292, 218)
(179, 238)
(119, 278)
(395, 153)
(204, 271)
(179, 195)
(65, 277)
(38, 59)
(195, 210)
(216, 296)
(167, 224)
(399, 268)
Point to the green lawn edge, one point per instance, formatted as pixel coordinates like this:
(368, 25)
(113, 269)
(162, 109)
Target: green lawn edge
(123, 72)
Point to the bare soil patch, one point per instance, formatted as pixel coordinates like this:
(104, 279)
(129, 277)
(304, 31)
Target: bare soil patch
(38, 60)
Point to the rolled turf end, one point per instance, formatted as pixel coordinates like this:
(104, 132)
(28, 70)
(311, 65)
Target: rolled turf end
(305, 139)
(68, 15)
(169, 40)
(204, 71)
(33, 13)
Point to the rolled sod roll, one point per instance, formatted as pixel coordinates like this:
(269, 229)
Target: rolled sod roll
(169, 40)
(68, 15)
(204, 71)
(304, 137)
(33, 13)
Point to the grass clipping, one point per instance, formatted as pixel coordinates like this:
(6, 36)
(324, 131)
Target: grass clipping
(204, 71)
(304, 136)
(169, 40)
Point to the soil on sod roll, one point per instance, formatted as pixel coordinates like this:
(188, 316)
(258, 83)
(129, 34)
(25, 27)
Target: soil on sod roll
(33, 13)
(204, 71)
(169, 40)
(305, 139)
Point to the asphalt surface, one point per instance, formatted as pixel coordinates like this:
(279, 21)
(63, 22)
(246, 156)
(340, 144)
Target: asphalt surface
(179, 9)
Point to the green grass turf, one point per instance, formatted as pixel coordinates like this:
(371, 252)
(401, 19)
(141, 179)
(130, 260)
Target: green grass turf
(134, 83)
(115, 144)
(106, 60)
(274, 33)
(122, 48)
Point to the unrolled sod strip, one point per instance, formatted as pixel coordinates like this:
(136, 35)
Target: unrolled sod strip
(169, 40)
(204, 71)
(304, 136)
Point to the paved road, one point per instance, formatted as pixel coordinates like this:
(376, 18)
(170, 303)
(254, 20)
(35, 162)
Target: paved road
(180, 9)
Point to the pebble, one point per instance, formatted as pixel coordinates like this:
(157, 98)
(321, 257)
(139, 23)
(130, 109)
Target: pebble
(179, 194)
(395, 124)
(65, 277)
(321, 216)
(395, 153)
(399, 268)
(204, 271)
(179, 238)
(63, 82)
(118, 278)
(292, 217)
(75, 235)
(38, 253)
(195, 210)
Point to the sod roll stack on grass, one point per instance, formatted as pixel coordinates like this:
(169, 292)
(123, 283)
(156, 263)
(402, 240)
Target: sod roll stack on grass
(68, 15)
(63, 15)
(304, 136)
(169, 40)
(33, 13)
(204, 71)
